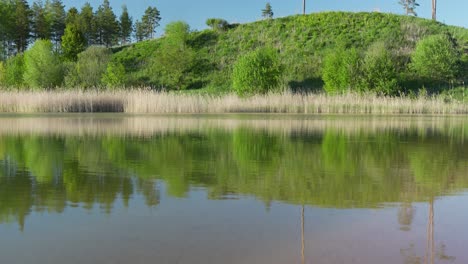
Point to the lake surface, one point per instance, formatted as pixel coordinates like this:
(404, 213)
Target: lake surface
(233, 189)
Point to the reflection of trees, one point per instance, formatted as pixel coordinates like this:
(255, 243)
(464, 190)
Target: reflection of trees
(329, 169)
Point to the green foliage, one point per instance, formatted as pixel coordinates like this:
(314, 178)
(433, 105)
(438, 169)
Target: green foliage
(257, 72)
(436, 58)
(21, 24)
(42, 67)
(14, 71)
(341, 70)
(2, 74)
(90, 67)
(379, 70)
(73, 42)
(172, 63)
(267, 12)
(126, 25)
(149, 22)
(106, 25)
(114, 75)
(40, 23)
(57, 18)
(217, 24)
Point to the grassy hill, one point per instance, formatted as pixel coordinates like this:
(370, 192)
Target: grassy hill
(302, 42)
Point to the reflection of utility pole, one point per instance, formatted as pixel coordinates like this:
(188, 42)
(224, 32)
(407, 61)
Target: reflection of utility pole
(302, 235)
(430, 234)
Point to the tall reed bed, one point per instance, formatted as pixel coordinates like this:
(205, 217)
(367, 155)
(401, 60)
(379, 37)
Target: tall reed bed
(161, 102)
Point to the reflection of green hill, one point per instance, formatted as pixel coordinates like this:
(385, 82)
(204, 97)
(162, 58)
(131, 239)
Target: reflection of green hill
(326, 169)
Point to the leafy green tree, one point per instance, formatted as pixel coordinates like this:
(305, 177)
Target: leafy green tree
(341, 70)
(73, 17)
(173, 61)
(379, 70)
(435, 58)
(150, 21)
(107, 25)
(42, 66)
(40, 23)
(257, 72)
(114, 75)
(268, 11)
(73, 42)
(22, 25)
(90, 66)
(14, 71)
(126, 26)
(409, 6)
(217, 24)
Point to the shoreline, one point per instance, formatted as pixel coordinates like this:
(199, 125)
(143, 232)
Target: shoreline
(149, 102)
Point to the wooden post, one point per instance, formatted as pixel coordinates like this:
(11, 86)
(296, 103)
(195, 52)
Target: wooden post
(303, 7)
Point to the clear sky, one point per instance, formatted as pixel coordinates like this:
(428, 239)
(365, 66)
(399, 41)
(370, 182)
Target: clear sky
(195, 12)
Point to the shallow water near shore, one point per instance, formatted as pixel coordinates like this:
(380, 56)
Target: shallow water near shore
(240, 188)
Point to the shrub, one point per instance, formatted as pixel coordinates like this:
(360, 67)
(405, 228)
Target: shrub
(14, 71)
(73, 42)
(341, 70)
(2, 74)
(90, 66)
(217, 24)
(42, 67)
(257, 72)
(379, 71)
(114, 75)
(435, 58)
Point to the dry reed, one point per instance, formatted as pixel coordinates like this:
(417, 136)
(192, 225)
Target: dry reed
(155, 102)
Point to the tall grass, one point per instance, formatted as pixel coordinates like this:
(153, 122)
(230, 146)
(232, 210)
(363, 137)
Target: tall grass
(156, 102)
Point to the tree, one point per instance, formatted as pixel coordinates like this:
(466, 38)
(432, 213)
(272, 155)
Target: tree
(378, 70)
(150, 21)
(73, 16)
(140, 34)
(42, 66)
(87, 23)
(73, 42)
(2, 74)
(40, 23)
(409, 6)
(257, 72)
(114, 75)
(172, 64)
(126, 26)
(56, 9)
(107, 25)
(14, 71)
(435, 58)
(90, 66)
(267, 12)
(341, 70)
(217, 24)
(22, 23)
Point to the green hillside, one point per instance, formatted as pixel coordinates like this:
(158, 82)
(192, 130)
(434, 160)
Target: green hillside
(302, 43)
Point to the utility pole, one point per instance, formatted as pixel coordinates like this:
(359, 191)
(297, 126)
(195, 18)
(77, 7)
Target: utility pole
(304, 6)
(434, 9)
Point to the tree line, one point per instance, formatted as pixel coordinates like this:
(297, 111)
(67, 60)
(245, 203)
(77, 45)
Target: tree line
(22, 24)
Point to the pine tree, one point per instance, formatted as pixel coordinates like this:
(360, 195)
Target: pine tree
(126, 26)
(107, 25)
(22, 25)
(40, 24)
(73, 16)
(150, 21)
(87, 23)
(140, 34)
(57, 13)
(409, 6)
(73, 42)
(267, 12)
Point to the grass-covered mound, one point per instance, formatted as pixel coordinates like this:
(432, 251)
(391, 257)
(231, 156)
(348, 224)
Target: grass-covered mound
(303, 43)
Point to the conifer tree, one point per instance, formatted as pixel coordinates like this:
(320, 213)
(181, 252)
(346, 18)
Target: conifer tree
(87, 23)
(267, 12)
(409, 6)
(40, 23)
(107, 25)
(150, 21)
(57, 13)
(22, 25)
(126, 26)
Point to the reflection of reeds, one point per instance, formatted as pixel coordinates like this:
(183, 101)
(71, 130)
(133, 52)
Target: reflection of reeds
(145, 125)
(152, 102)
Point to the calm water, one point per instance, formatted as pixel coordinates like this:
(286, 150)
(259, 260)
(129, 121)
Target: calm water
(233, 189)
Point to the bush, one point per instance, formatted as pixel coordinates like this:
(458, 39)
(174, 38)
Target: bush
(257, 72)
(42, 67)
(435, 58)
(341, 70)
(379, 71)
(2, 74)
(217, 24)
(14, 71)
(114, 76)
(90, 66)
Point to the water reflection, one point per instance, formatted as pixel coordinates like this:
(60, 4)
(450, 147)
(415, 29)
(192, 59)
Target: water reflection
(53, 163)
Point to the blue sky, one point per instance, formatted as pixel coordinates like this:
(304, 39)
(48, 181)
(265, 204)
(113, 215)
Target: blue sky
(195, 12)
